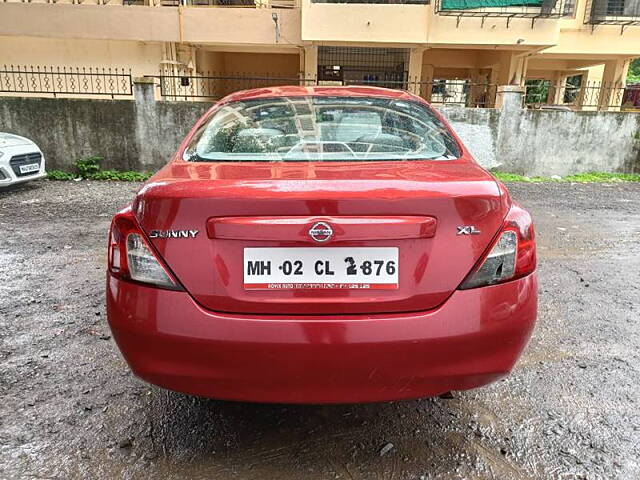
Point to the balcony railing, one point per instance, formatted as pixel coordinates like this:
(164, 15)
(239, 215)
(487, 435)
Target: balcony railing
(212, 86)
(176, 3)
(590, 95)
(613, 12)
(65, 81)
(533, 9)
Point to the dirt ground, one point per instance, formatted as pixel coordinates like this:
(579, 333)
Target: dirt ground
(70, 408)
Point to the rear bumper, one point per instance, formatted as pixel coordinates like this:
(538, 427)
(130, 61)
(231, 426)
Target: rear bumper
(471, 340)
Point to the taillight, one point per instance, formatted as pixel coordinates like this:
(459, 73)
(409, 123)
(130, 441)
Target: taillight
(511, 256)
(131, 257)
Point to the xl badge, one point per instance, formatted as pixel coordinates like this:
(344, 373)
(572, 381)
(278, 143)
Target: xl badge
(468, 230)
(321, 232)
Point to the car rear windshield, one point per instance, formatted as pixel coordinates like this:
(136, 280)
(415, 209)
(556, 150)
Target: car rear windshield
(322, 128)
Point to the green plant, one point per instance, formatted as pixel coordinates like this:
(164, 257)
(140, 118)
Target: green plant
(634, 71)
(589, 177)
(89, 169)
(537, 91)
(512, 177)
(89, 166)
(59, 175)
(127, 176)
(603, 177)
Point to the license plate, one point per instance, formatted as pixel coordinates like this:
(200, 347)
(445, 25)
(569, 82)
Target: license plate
(339, 268)
(32, 167)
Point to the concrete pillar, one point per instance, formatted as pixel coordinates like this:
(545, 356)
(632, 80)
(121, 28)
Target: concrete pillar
(144, 90)
(613, 81)
(492, 89)
(556, 90)
(509, 97)
(582, 93)
(477, 88)
(512, 69)
(493, 76)
(301, 65)
(427, 81)
(586, 96)
(507, 147)
(415, 69)
(146, 121)
(310, 60)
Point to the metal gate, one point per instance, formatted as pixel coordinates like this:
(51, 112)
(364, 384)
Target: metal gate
(382, 67)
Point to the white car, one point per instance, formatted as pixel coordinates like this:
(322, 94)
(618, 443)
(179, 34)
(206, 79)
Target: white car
(20, 160)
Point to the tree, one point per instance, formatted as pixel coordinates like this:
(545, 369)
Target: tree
(634, 71)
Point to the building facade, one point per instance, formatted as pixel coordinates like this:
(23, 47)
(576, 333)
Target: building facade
(566, 52)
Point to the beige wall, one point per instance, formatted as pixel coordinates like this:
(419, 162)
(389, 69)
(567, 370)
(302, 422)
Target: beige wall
(141, 57)
(227, 70)
(365, 23)
(257, 64)
(606, 39)
(362, 23)
(279, 64)
(443, 31)
(416, 24)
(245, 26)
(210, 62)
(114, 22)
(222, 26)
(389, 25)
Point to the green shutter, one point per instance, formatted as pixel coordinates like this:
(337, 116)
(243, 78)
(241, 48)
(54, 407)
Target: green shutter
(470, 4)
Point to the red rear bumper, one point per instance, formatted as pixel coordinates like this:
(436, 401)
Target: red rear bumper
(471, 340)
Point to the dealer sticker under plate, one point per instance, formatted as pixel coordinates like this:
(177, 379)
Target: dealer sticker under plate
(340, 268)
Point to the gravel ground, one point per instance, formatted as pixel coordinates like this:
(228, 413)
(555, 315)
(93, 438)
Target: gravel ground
(70, 408)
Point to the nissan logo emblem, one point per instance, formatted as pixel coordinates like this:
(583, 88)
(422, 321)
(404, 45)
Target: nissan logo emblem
(321, 232)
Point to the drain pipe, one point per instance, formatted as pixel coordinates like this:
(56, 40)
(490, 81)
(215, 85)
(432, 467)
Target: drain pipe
(276, 19)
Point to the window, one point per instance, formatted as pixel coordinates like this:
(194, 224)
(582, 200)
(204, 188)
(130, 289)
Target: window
(383, 67)
(322, 128)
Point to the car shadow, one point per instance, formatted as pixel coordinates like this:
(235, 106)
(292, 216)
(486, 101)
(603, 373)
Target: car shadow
(32, 185)
(197, 436)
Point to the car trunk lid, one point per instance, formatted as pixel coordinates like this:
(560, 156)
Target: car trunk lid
(374, 209)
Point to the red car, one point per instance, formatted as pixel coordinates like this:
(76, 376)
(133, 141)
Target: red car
(321, 245)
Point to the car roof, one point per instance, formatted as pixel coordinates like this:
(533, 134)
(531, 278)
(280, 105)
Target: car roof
(333, 91)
